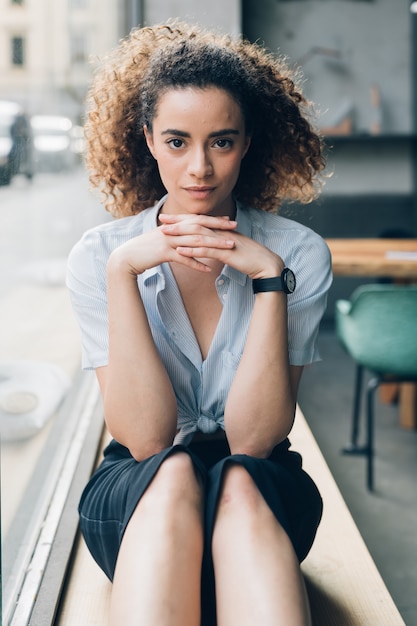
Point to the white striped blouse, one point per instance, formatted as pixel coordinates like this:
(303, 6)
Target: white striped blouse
(201, 386)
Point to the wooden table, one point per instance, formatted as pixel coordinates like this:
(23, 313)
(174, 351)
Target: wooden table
(392, 258)
(373, 258)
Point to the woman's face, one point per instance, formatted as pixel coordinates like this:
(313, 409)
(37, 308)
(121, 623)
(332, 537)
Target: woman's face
(198, 139)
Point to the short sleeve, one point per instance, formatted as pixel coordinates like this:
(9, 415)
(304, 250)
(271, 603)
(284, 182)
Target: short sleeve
(86, 281)
(311, 262)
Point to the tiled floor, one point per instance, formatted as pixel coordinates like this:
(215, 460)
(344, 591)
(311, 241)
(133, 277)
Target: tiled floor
(387, 518)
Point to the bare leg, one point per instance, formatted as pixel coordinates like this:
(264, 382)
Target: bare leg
(258, 577)
(157, 578)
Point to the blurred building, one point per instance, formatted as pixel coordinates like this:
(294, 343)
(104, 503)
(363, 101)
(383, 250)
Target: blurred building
(46, 48)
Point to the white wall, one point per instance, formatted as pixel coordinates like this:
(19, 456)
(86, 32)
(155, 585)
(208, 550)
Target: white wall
(224, 15)
(372, 39)
(371, 44)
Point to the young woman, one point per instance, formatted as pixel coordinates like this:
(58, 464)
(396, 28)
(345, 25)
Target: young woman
(198, 308)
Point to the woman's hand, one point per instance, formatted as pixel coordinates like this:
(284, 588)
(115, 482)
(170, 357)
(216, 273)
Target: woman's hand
(199, 237)
(168, 242)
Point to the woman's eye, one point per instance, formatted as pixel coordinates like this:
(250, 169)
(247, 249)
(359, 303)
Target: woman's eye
(176, 143)
(223, 143)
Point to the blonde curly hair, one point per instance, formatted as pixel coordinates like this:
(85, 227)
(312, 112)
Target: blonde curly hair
(285, 159)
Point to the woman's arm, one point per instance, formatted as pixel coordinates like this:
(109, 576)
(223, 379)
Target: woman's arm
(260, 407)
(139, 402)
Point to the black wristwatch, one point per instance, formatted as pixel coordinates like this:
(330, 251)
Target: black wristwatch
(286, 282)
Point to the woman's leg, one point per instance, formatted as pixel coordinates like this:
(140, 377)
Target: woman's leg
(258, 577)
(158, 570)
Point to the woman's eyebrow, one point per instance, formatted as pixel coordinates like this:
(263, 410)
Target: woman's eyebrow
(174, 131)
(217, 133)
(225, 131)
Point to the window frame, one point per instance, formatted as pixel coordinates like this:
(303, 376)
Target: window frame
(34, 584)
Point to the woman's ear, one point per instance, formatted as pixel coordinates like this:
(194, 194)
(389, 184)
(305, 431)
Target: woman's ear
(149, 140)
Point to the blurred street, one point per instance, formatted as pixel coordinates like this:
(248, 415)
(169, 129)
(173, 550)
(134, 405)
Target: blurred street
(39, 223)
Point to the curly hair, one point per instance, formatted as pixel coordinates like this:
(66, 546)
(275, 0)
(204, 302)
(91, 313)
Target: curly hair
(285, 158)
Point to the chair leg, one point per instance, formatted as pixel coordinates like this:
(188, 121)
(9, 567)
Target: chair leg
(353, 447)
(369, 447)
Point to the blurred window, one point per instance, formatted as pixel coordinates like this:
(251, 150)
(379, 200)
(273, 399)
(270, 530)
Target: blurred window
(18, 51)
(78, 4)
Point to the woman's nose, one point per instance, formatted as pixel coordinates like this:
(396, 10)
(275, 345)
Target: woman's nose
(200, 164)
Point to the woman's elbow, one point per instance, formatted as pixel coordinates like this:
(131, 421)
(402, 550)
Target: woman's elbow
(140, 447)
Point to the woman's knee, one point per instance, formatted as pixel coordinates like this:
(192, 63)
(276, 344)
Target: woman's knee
(242, 506)
(175, 484)
(239, 491)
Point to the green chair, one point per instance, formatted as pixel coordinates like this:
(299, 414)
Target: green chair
(378, 329)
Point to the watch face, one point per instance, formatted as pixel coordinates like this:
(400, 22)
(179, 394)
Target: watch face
(289, 280)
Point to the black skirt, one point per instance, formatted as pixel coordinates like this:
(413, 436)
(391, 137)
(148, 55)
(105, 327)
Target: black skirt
(114, 490)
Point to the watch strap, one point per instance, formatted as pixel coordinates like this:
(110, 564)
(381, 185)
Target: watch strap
(268, 284)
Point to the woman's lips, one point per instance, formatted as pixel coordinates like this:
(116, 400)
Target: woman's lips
(199, 192)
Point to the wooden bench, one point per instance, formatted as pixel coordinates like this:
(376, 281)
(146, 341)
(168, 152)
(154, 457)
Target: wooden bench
(344, 585)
